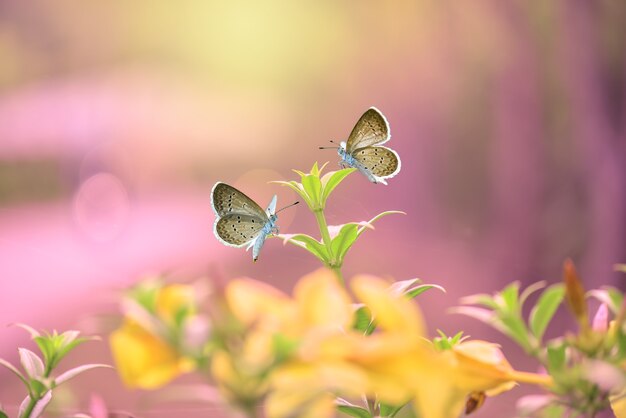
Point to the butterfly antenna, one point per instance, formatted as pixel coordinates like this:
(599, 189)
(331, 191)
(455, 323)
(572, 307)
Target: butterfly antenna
(288, 206)
(332, 142)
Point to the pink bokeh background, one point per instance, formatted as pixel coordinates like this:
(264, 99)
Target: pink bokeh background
(116, 118)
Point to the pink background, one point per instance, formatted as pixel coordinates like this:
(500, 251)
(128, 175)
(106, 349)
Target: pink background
(116, 118)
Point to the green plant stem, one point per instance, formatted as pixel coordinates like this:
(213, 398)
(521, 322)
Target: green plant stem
(321, 222)
(29, 408)
(33, 401)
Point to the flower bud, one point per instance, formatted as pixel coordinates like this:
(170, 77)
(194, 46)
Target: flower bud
(575, 294)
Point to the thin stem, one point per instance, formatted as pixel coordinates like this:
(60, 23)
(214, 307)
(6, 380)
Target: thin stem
(29, 408)
(339, 274)
(321, 222)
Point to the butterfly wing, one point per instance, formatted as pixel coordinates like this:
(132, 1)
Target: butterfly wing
(226, 199)
(238, 229)
(377, 163)
(239, 219)
(258, 244)
(271, 208)
(371, 129)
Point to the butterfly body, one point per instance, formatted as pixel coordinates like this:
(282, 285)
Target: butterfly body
(240, 221)
(363, 149)
(347, 160)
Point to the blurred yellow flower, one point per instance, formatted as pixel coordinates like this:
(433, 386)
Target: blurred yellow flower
(325, 357)
(278, 326)
(618, 404)
(144, 360)
(175, 300)
(146, 348)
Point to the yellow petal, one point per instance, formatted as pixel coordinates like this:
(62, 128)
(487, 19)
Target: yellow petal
(618, 404)
(249, 299)
(172, 299)
(392, 313)
(322, 301)
(436, 394)
(301, 404)
(143, 360)
(334, 376)
(238, 384)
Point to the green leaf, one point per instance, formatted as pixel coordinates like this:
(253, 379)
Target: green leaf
(145, 294)
(331, 180)
(442, 342)
(313, 188)
(316, 171)
(308, 243)
(418, 290)
(458, 337)
(530, 290)
(363, 321)
(556, 357)
(38, 388)
(354, 411)
(343, 241)
(3, 415)
(389, 411)
(510, 297)
(348, 233)
(483, 299)
(611, 296)
(40, 405)
(486, 316)
(412, 288)
(31, 363)
(621, 342)
(46, 346)
(69, 374)
(64, 349)
(297, 187)
(377, 217)
(516, 329)
(32, 331)
(16, 372)
(544, 310)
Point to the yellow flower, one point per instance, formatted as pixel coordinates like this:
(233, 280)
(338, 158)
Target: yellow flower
(141, 347)
(618, 404)
(143, 360)
(328, 358)
(174, 300)
(439, 381)
(319, 308)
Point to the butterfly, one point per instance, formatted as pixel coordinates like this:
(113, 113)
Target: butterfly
(363, 149)
(240, 220)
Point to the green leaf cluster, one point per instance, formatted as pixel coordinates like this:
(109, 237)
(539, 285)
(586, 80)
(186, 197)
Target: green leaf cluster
(316, 190)
(583, 364)
(37, 372)
(335, 241)
(503, 311)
